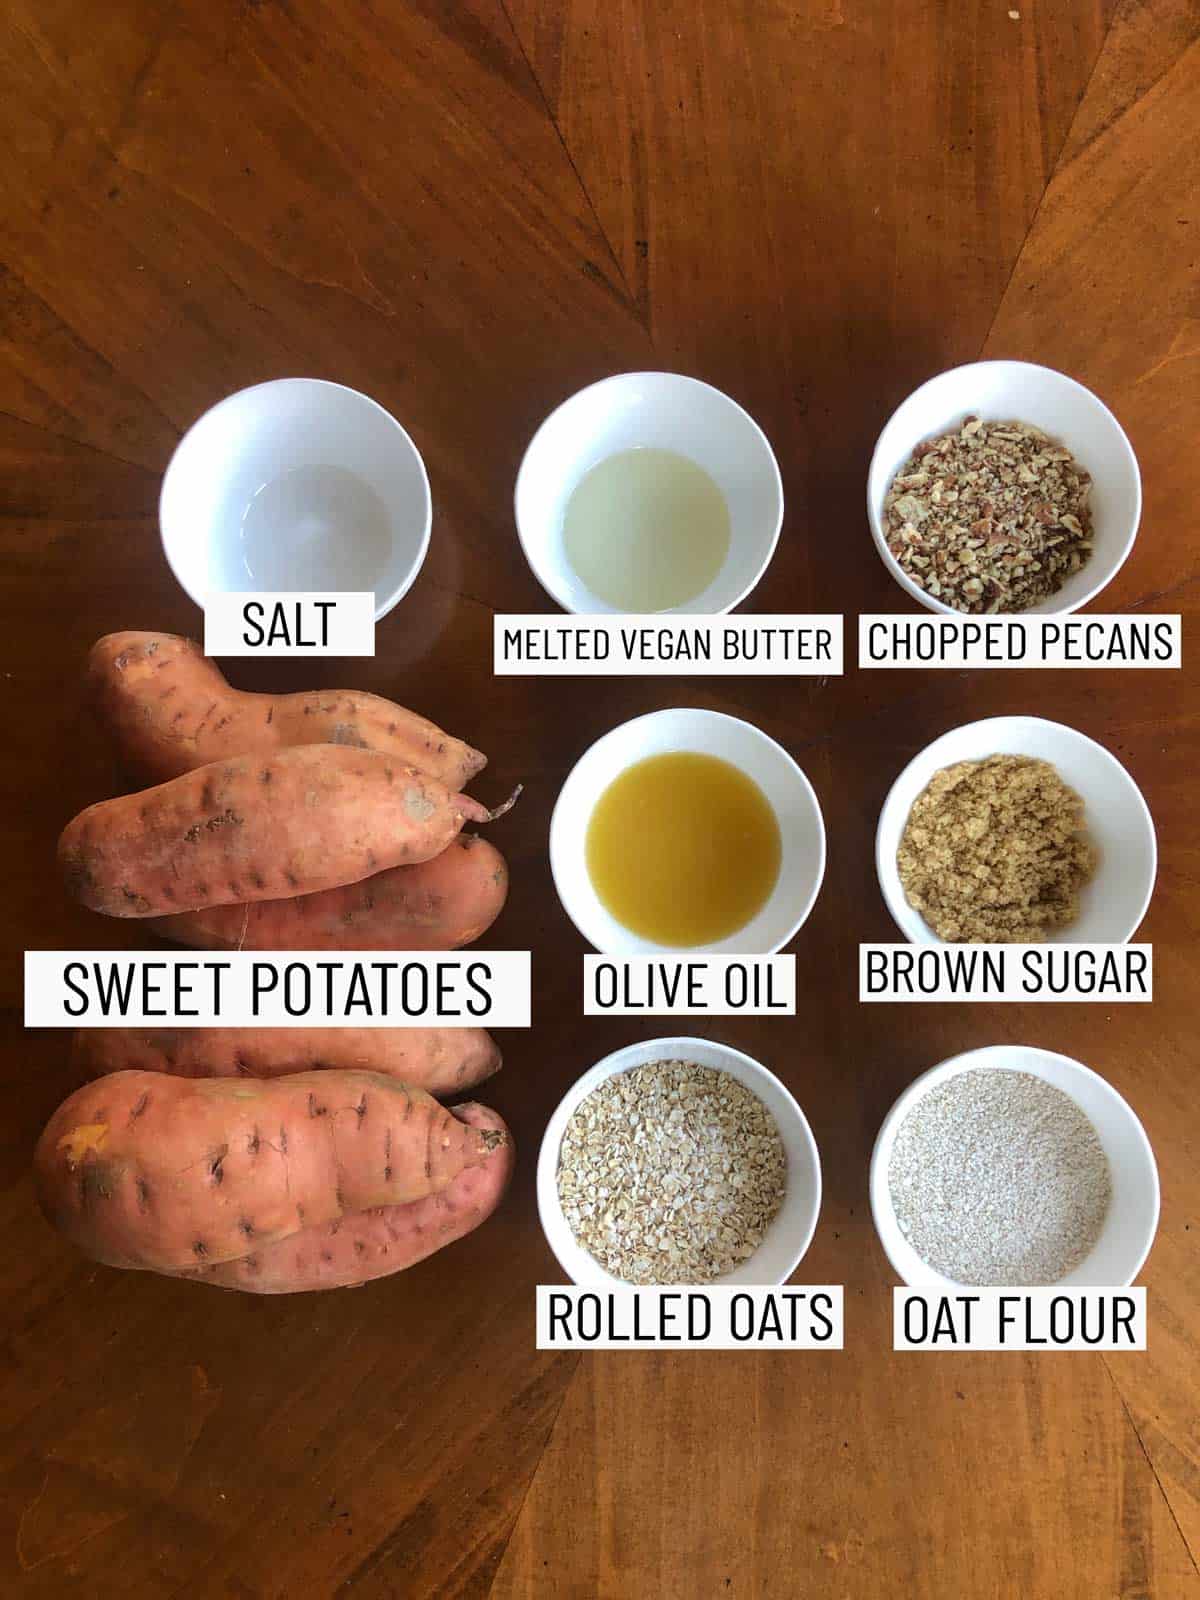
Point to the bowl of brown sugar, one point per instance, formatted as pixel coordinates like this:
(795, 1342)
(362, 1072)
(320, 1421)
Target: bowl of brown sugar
(1015, 830)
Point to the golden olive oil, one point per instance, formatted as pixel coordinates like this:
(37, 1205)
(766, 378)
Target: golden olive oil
(683, 849)
(646, 530)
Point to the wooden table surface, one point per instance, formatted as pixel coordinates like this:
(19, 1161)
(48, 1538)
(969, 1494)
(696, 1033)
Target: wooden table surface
(469, 210)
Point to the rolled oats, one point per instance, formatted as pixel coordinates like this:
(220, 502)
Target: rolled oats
(671, 1173)
(992, 516)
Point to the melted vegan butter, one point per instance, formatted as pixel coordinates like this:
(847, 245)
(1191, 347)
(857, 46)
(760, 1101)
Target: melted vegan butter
(646, 530)
(683, 849)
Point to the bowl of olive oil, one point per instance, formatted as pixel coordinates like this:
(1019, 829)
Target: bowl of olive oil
(687, 830)
(648, 493)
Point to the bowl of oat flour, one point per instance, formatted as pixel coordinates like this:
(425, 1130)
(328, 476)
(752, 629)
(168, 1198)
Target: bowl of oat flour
(678, 1162)
(1013, 1167)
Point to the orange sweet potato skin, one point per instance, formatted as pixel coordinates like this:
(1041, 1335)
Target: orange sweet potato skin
(169, 709)
(373, 1244)
(439, 1060)
(144, 1170)
(441, 904)
(307, 818)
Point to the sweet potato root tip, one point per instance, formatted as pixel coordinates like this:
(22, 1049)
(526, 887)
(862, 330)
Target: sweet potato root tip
(506, 805)
(474, 811)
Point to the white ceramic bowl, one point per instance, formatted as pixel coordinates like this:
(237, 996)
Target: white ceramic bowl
(663, 411)
(797, 810)
(296, 485)
(1004, 391)
(789, 1235)
(1129, 1229)
(1118, 821)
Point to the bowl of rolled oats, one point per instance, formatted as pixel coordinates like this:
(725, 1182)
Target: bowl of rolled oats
(678, 1161)
(1003, 487)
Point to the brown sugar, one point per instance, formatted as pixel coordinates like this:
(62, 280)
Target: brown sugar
(994, 852)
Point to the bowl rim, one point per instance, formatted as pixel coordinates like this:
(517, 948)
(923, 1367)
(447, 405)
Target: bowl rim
(965, 1061)
(672, 1047)
(683, 952)
(1125, 448)
(614, 379)
(394, 595)
(889, 881)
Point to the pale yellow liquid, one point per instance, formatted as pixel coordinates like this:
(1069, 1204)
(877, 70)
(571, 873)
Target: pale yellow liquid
(646, 530)
(683, 849)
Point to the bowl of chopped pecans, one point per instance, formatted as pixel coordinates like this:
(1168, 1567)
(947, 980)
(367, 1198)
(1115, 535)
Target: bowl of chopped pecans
(1003, 487)
(678, 1161)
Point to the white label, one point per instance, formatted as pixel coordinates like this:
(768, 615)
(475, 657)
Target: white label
(721, 986)
(1005, 972)
(885, 640)
(337, 624)
(242, 989)
(665, 646)
(718, 1318)
(1019, 1319)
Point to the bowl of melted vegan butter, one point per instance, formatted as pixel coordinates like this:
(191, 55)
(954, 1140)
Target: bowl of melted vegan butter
(646, 530)
(649, 493)
(687, 830)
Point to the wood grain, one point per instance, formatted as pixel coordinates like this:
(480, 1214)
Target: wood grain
(469, 210)
(647, 1435)
(1131, 330)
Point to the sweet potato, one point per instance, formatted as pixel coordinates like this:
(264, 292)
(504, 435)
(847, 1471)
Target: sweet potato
(149, 1171)
(371, 1244)
(438, 1060)
(169, 709)
(307, 818)
(440, 904)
